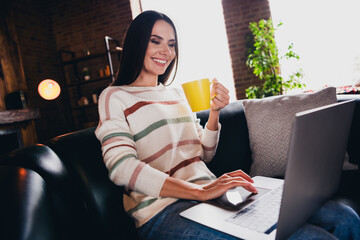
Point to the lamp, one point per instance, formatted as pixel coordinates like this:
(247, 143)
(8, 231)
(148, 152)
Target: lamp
(49, 89)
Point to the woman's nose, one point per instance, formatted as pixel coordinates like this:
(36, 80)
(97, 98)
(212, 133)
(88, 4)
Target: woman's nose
(165, 49)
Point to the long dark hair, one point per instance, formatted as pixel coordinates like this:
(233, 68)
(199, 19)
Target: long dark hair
(134, 47)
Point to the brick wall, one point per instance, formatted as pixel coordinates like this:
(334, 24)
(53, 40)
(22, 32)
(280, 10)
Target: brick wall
(238, 14)
(44, 27)
(83, 24)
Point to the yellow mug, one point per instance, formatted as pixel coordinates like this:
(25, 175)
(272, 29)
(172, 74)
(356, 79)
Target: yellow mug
(198, 94)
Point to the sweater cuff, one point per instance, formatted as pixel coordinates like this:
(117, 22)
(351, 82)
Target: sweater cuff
(150, 181)
(210, 138)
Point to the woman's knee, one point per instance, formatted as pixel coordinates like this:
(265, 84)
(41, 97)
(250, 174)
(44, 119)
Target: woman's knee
(309, 232)
(338, 219)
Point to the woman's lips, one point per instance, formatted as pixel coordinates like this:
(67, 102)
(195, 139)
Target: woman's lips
(159, 61)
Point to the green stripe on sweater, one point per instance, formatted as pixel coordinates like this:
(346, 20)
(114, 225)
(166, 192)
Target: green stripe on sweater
(117, 134)
(142, 205)
(120, 160)
(202, 179)
(159, 124)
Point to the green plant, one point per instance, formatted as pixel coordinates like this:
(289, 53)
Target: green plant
(264, 59)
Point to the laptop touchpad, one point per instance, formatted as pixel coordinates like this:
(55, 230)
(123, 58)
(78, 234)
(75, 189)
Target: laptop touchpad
(237, 198)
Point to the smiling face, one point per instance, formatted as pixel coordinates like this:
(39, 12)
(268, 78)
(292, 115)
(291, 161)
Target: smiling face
(160, 51)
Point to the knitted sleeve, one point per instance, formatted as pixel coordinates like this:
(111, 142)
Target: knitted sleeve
(119, 151)
(209, 139)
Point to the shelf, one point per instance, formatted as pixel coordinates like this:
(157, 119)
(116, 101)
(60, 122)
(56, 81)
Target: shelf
(87, 57)
(90, 105)
(77, 89)
(84, 82)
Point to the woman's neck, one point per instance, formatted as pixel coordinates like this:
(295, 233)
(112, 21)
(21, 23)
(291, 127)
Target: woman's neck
(145, 81)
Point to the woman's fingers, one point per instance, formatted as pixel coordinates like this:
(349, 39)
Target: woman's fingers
(220, 94)
(223, 180)
(221, 101)
(237, 175)
(239, 183)
(241, 174)
(227, 181)
(216, 190)
(251, 188)
(230, 182)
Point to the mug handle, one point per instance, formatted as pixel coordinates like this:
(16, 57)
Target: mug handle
(212, 97)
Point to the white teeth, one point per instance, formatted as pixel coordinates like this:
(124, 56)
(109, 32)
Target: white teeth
(159, 61)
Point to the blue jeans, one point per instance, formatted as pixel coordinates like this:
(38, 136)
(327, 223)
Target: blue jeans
(332, 221)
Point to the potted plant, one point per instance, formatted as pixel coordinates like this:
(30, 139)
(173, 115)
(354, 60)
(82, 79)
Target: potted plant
(264, 59)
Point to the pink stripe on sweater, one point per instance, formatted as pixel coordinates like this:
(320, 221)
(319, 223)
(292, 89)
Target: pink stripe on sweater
(120, 145)
(167, 148)
(111, 140)
(139, 105)
(107, 100)
(182, 165)
(209, 148)
(135, 175)
(142, 91)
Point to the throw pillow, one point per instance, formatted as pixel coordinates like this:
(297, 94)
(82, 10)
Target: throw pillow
(270, 121)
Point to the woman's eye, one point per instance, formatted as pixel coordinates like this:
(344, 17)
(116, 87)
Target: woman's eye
(172, 45)
(155, 41)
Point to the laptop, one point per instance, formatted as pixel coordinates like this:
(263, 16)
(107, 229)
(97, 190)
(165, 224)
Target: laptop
(316, 153)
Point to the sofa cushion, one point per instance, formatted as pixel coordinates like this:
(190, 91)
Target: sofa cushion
(233, 151)
(270, 122)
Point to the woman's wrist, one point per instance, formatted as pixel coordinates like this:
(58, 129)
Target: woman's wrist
(215, 108)
(178, 188)
(213, 121)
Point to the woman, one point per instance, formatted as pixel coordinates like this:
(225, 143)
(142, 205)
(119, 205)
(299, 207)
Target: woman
(151, 141)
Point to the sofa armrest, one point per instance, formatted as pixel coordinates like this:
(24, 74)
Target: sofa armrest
(80, 152)
(27, 211)
(70, 209)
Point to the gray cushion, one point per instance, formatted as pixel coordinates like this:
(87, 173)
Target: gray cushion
(270, 121)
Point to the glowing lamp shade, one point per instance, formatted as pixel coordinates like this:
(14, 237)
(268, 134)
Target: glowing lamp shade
(49, 89)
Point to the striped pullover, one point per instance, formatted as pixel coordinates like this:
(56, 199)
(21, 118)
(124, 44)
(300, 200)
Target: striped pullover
(148, 134)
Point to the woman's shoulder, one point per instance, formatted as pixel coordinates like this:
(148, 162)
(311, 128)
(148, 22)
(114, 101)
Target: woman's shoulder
(177, 91)
(112, 90)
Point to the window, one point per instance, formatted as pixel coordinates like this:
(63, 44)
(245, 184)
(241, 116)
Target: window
(326, 37)
(203, 45)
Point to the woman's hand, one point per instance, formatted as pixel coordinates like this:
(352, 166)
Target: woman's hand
(220, 94)
(177, 188)
(225, 182)
(220, 98)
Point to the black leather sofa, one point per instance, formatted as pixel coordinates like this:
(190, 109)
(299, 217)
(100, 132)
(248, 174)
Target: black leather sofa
(61, 190)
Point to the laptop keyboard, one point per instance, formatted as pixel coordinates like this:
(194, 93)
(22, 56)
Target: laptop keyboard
(261, 215)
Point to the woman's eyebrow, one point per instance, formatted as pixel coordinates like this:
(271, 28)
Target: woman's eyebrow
(157, 36)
